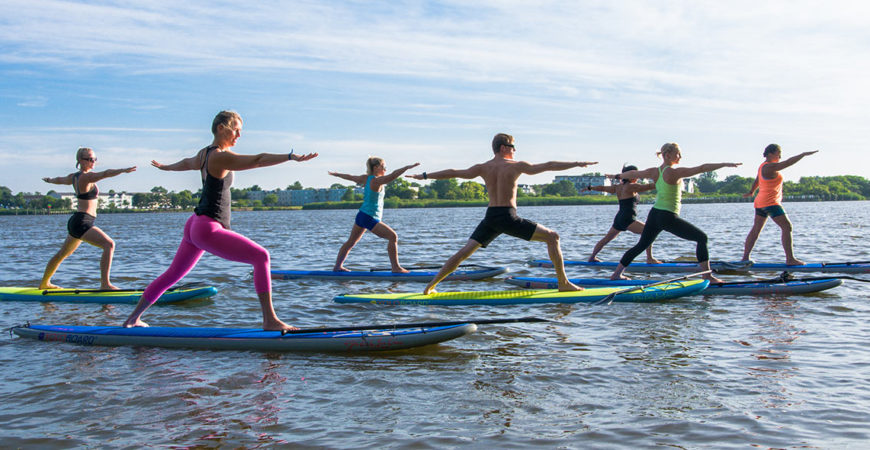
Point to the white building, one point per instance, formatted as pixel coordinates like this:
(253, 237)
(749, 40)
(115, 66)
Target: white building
(119, 200)
(582, 181)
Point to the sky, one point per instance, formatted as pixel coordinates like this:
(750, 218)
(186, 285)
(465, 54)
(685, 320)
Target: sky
(430, 82)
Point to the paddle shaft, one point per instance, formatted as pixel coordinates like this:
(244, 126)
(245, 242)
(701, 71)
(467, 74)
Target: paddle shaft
(413, 325)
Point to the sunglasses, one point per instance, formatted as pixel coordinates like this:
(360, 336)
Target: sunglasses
(93, 160)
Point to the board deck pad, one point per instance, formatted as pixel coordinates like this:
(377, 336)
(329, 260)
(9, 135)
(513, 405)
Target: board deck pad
(517, 297)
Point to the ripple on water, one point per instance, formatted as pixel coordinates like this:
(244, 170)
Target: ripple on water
(721, 371)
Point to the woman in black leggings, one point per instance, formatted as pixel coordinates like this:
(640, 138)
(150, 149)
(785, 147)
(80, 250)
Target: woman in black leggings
(665, 214)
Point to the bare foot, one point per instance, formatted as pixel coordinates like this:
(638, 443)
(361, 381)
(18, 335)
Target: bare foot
(594, 259)
(569, 287)
(712, 279)
(620, 277)
(137, 323)
(277, 325)
(653, 261)
(340, 269)
(429, 291)
(49, 286)
(401, 270)
(109, 287)
(795, 262)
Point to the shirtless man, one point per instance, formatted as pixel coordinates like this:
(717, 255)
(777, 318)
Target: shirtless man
(500, 175)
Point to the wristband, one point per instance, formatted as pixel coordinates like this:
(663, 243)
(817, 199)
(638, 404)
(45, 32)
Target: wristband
(290, 155)
(424, 176)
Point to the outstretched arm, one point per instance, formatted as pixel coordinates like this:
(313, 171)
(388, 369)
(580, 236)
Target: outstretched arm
(93, 177)
(228, 160)
(643, 187)
(191, 163)
(683, 172)
(59, 180)
(777, 166)
(608, 189)
(356, 179)
(652, 173)
(534, 169)
(469, 173)
(386, 179)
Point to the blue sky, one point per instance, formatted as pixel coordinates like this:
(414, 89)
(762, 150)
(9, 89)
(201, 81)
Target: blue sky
(430, 82)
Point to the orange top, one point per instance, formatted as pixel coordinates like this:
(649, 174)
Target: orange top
(769, 190)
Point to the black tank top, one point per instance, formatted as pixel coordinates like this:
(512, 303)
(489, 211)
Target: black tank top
(215, 199)
(90, 195)
(629, 205)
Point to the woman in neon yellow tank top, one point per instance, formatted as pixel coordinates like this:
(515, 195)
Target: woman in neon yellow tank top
(665, 214)
(768, 203)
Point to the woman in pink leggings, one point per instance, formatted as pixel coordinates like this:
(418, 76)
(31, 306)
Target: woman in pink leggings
(208, 230)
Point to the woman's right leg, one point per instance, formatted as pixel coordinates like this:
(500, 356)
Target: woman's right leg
(356, 233)
(185, 259)
(69, 246)
(611, 234)
(752, 237)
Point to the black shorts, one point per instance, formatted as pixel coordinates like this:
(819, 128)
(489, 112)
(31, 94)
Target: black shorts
(502, 219)
(623, 219)
(79, 223)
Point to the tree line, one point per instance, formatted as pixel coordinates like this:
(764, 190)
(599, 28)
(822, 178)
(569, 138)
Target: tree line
(841, 187)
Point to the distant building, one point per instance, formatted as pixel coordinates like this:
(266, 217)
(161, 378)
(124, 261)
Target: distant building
(299, 197)
(526, 189)
(582, 181)
(689, 185)
(119, 200)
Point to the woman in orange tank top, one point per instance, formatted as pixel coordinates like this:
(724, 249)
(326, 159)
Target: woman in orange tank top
(768, 202)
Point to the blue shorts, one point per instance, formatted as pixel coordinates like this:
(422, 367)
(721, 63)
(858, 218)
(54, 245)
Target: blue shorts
(770, 211)
(366, 221)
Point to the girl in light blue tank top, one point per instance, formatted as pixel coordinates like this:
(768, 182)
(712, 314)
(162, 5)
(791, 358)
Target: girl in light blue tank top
(369, 215)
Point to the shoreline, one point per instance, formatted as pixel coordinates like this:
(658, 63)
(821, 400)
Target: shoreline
(395, 203)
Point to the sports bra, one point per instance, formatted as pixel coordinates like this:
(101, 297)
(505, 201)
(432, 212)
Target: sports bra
(90, 195)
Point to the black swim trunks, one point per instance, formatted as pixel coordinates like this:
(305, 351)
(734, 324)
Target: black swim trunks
(79, 223)
(502, 219)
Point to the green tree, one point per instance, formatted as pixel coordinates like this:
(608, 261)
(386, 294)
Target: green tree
(735, 184)
(348, 195)
(270, 200)
(400, 188)
(563, 188)
(471, 190)
(706, 182)
(446, 188)
(297, 186)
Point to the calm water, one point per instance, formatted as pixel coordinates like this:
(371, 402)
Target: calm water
(716, 371)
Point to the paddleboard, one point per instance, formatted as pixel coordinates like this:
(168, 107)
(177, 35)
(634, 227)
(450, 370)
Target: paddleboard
(750, 287)
(521, 297)
(309, 340)
(665, 267)
(718, 266)
(424, 276)
(24, 294)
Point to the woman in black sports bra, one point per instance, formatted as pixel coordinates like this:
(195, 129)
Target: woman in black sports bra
(626, 218)
(81, 224)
